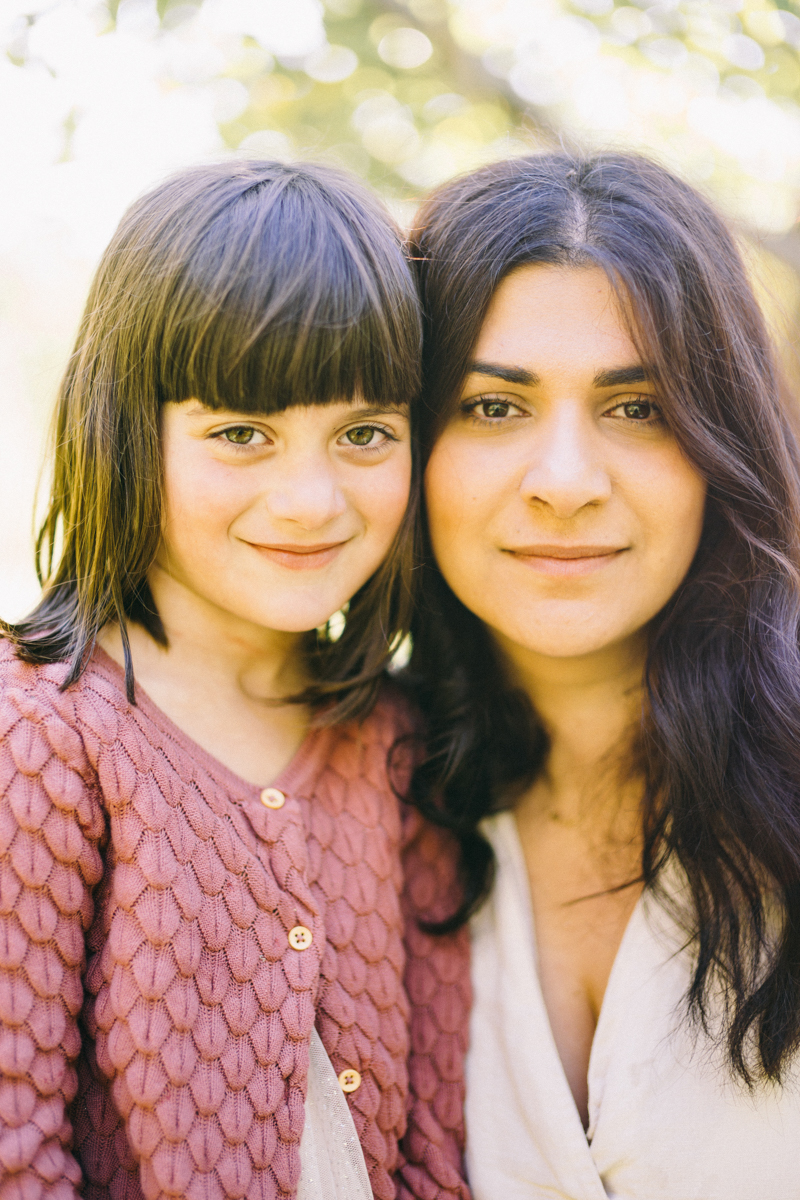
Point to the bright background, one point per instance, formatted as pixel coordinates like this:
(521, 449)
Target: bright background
(100, 100)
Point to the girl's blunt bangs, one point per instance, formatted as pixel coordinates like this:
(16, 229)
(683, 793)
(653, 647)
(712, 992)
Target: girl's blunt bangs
(325, 311)
(250, 286)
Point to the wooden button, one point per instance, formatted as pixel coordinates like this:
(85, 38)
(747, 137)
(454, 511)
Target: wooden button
(300, 938)
(350, 1080)
(273, 798)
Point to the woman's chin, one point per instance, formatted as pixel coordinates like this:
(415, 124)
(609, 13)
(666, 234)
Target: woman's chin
(563, 643)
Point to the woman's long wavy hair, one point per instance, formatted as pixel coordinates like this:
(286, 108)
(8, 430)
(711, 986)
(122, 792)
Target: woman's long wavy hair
(252, 286)
(719, 745)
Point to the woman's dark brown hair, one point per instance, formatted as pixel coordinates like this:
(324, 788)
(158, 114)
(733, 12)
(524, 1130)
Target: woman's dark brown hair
(251, 286)
(720, 739)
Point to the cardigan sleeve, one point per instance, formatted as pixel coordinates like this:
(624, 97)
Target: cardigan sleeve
(438, 985)
(51, 826)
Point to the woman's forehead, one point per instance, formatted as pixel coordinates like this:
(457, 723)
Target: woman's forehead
(542, 315)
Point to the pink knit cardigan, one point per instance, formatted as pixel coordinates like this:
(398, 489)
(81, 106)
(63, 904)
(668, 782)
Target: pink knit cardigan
(156, 1003)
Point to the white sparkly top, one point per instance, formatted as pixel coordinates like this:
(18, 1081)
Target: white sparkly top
(332, 1163)
(667, 1121)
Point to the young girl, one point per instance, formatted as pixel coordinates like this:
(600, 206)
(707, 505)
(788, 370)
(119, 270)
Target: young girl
(608, 659)
(199, 868)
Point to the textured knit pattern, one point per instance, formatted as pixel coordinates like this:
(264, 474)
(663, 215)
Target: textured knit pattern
(438, 983)
(154, 1020)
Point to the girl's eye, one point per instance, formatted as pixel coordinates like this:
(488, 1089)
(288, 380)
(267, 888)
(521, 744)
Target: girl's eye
(362, 435)
(367, 437)
(641, 409)
(241, 435)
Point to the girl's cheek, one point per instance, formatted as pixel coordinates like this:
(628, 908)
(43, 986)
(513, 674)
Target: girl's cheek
(383, 497)
(208, 490)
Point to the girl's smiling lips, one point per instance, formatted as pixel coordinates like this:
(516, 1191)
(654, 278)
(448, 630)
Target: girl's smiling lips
(562, 562)
(299, 557)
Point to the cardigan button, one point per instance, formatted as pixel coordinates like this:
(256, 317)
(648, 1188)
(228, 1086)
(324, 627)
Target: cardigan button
(273, 798)
(300, 938)
(350, 1080)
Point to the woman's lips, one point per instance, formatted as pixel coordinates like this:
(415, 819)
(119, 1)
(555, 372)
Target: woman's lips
(566, 562)
(300, 558)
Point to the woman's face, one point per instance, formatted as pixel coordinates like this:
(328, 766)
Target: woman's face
(561, 510)
(278, 520)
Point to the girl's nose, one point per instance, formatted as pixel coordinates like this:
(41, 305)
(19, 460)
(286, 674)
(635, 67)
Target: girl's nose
(307, 493)
(566, 471)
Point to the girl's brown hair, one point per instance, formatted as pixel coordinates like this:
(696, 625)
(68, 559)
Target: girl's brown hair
(252, 286)
(719, 744)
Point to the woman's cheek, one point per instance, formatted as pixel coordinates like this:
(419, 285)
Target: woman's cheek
(676, 495)
(461, 490)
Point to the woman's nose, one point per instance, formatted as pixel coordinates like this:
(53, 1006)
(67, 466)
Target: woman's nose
(566, 471)
(306, 493)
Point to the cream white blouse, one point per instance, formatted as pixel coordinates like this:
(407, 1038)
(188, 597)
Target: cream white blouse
(666, 1119)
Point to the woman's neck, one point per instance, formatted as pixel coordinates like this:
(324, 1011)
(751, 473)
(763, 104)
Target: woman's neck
(579, 827)
(218, 679)
(590, 709)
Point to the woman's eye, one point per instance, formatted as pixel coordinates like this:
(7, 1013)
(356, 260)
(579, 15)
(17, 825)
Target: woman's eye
(640, 409)
(492, 409)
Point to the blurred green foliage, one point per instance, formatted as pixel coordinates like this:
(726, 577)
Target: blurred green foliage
(410, 92)
(393, 97)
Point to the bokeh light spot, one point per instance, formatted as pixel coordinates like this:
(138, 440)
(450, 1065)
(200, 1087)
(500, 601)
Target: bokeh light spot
(405, 48)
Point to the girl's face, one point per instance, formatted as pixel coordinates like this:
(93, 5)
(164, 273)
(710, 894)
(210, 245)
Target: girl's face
(280, 519)
(562, 511)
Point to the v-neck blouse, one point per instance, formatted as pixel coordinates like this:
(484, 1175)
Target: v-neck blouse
(666, 1119)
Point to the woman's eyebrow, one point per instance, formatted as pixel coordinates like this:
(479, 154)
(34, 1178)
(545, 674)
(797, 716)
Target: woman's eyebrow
(509, 374)
(621, 375)
(613, 377)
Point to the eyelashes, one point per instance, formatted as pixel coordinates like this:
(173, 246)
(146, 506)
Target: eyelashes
(360, 438)
(644, 411)
(470, 408)
(637, 410)
(249, 430)
(367, 445)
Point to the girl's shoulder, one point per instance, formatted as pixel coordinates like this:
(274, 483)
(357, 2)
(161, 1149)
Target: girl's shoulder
(71, 722)
(47, 782)
(394, 716)
(377, 750)
(33, 705)
(394, 728)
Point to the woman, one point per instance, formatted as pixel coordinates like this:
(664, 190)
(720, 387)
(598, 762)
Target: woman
(200, 842)
(607, 656)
